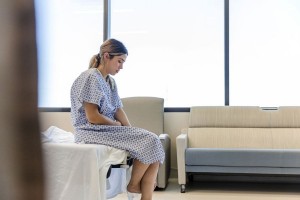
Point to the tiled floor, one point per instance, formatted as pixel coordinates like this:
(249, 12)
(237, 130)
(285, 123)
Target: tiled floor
(227, 191)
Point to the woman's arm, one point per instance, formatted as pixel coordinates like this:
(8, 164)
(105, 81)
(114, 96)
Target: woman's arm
(94, 117)
(122, 117)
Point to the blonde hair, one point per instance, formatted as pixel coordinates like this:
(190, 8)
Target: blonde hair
(111, 46)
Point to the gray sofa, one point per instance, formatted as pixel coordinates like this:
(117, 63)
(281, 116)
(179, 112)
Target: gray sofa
(240, 140)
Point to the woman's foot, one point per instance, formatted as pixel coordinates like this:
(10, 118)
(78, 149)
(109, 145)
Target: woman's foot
(133, 189)
(132, 196)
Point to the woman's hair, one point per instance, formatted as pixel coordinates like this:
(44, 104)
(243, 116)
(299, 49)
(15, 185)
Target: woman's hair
(111, 46)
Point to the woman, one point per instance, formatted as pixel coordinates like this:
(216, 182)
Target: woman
(98, 118)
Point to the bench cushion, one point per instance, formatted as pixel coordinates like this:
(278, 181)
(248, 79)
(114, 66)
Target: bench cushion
(243, 157)
(248, 138)
(228, 116)
(244, 117)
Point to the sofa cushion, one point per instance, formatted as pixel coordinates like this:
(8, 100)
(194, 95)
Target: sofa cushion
(285, 117)
(285, 172)
(249, 138)
(228, 116)
(242, 157)
(244, 117)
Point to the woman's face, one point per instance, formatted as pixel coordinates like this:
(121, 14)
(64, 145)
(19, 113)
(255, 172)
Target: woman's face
(116, 63)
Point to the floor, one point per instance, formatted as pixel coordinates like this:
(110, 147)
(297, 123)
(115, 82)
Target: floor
(227, 191)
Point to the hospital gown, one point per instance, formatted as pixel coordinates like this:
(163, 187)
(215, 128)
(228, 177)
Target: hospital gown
(91, 87)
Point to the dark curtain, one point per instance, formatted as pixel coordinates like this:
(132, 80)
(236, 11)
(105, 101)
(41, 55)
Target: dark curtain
(21, 170)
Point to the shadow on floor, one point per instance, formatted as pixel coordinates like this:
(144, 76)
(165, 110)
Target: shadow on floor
(240, 183)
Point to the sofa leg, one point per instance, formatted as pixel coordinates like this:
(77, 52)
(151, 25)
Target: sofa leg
(182, 188)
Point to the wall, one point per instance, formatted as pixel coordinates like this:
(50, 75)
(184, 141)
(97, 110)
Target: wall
(174, 122)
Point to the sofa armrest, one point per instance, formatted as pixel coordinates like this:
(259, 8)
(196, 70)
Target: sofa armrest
(166, 143)
(181, 145)
(164, 169)
(164, 137)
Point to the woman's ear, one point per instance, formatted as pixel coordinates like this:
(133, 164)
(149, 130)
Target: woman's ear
(106, 55)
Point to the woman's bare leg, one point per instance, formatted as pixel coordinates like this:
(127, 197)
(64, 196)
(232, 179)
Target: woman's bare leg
(138, 171)
(143, 179)
(148, 181)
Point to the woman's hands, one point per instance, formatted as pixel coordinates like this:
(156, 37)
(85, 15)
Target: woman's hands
(122, 117)
(118, 123)
(94, 117)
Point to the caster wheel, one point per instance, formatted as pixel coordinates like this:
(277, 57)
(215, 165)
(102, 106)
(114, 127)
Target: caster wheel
(182, 188)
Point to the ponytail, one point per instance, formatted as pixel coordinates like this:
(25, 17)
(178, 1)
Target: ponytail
(95, 61)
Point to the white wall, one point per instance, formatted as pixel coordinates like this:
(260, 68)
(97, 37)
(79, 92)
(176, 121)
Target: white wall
(174, 122)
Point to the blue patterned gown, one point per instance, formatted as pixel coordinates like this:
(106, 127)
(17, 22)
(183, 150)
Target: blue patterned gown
(91, 87)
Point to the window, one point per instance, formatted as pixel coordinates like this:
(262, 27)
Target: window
(176, 50)
(68, 34)
(264, 52)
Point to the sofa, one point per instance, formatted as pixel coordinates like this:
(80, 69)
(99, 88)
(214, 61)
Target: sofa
(239, 141)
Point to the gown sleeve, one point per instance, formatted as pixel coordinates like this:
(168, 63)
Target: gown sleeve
(91, 90)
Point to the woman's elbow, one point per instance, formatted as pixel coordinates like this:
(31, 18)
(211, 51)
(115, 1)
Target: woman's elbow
(92, 119)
